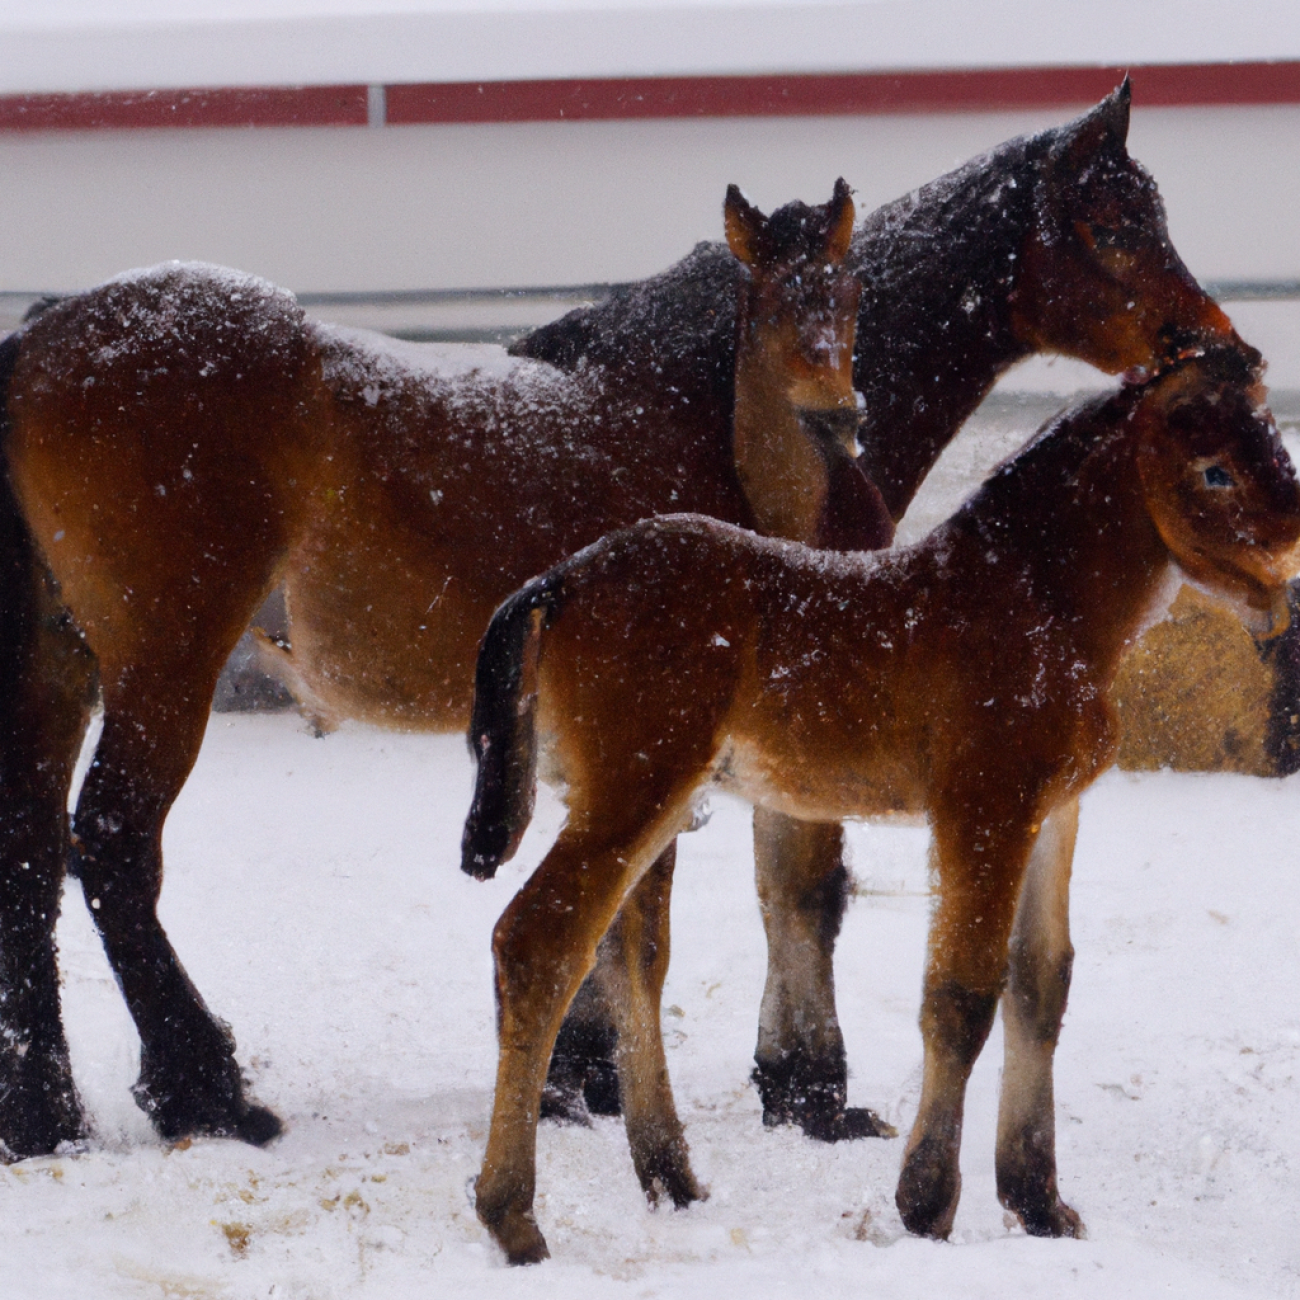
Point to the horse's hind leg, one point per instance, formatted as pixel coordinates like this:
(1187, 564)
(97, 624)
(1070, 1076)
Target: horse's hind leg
(156, 704)
(583, 1077)
(544, 946)
(1038, 983)
(636, 948)
(46, 690)
(801, 1069)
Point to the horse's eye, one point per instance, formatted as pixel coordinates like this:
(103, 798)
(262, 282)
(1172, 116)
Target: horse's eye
(1217, 477)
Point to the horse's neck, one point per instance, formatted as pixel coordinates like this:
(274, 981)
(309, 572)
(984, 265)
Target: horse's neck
(1071, 535)
(934, 332)
(780, 469)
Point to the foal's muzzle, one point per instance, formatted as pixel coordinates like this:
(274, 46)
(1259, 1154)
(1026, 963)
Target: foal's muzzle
(834, 429)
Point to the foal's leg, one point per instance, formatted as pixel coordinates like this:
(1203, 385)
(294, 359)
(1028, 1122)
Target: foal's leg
(156, 704)
(543, 947)
(979, 868)
(46, 691)
(801, 1069)
(583, 1077)
(1038, 984)
(637, 948)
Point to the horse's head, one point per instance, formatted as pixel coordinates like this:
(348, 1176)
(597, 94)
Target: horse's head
(1219, 484)
(1098, 277)
(798, 307)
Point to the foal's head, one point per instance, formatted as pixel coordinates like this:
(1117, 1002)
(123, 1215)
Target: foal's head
(1098, 277)
(1219, 484)
(798, 309)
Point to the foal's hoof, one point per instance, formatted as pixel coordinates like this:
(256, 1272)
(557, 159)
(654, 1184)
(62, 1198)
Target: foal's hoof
(1054, 1220)
(666, 1175)
(929, 1188)
(517, 1234)
(847, 1125)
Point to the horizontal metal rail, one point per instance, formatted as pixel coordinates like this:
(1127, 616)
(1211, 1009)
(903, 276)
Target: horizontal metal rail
(497, 315)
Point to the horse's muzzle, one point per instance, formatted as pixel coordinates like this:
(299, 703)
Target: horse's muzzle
(833, 429)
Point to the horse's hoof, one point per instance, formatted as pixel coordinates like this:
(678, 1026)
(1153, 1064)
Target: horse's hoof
(41, 1135)
(518, 1236)
(1054, 1220)
(259, 1127)
(928, 1190)
(847, 1125)
(37, 1116)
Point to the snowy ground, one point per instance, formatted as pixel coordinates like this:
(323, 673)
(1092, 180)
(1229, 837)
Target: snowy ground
(313, 892)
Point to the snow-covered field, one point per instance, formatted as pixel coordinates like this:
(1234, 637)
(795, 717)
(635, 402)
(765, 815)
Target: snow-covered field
(313, 892)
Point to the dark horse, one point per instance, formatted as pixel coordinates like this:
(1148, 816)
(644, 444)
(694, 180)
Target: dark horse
(1050, 243)
(177, 442)
(964, 679)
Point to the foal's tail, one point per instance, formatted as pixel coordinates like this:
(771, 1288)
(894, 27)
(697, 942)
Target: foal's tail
(502, 735)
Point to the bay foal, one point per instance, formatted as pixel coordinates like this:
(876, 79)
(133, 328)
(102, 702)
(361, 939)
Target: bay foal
(1049, 243)
(964, 678)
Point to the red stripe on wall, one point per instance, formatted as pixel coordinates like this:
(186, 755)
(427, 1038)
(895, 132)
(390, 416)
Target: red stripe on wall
(866, 93)
(659, 97)
(221, 106)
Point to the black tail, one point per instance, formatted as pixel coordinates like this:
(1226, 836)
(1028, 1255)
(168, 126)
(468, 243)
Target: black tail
(501, 731)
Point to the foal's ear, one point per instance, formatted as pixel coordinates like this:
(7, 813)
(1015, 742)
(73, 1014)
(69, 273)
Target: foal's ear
(746, 227)
(1103, 125)
(840, 215)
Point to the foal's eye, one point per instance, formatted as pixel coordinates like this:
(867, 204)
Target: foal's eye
(1217, 477)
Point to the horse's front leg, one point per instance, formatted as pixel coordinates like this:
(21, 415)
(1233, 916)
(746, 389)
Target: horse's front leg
(980, 860)
(800, 1066)
(1038, 984)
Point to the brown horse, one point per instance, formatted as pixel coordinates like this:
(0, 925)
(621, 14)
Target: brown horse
(178, 441)
(1054, 242)
(964, 678)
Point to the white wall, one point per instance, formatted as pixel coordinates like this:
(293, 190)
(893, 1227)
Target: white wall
(557, 203)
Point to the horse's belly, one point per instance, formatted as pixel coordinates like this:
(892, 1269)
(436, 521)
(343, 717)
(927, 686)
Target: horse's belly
(811, 789)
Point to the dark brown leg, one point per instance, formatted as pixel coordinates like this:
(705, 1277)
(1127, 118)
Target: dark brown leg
(1038, 983)
(47, 683)
(801, 1070)
(155, 714)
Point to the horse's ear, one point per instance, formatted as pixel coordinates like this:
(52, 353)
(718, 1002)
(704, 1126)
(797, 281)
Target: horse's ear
(840, 215)
(1107, 124)
(746, 227)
